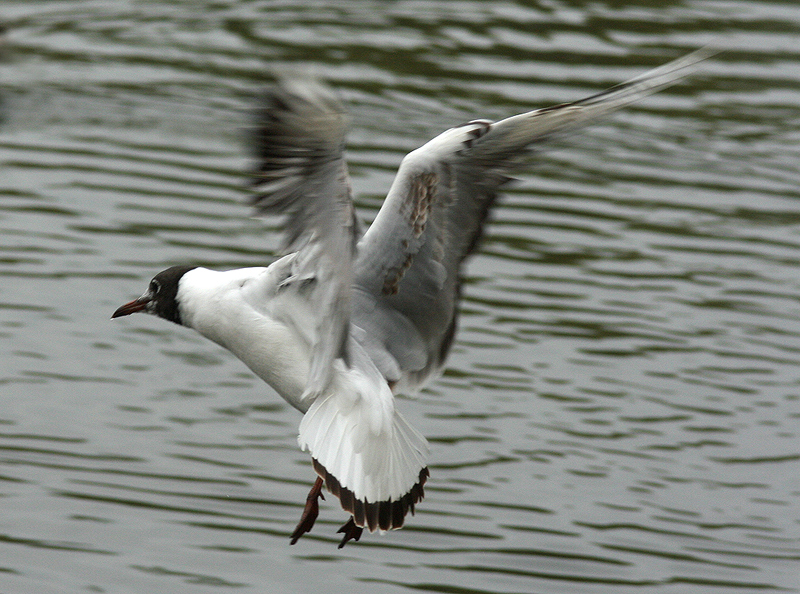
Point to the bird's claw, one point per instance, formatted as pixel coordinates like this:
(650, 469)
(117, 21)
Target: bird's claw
(351, 532)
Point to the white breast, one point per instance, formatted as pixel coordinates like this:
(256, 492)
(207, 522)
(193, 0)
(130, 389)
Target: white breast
(231, 308)
(366, 452)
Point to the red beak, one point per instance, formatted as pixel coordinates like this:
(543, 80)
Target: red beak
(132, 307)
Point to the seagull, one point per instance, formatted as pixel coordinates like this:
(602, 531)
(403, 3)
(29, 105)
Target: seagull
(348, 318)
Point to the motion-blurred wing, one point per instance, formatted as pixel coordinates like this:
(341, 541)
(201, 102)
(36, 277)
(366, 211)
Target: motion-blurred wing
(301, 172)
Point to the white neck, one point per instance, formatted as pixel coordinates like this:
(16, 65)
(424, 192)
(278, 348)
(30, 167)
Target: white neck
(216, 305)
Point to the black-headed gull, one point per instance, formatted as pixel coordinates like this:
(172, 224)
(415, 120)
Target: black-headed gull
(346, 320)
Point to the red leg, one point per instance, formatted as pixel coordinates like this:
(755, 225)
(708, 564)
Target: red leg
(310, 512)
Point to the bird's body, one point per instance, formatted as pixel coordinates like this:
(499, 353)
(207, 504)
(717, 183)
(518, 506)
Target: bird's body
(346, 319)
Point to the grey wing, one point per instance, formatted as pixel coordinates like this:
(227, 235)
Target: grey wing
(408, 262)
(301, 172)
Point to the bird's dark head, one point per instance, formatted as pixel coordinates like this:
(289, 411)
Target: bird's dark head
(160, 299)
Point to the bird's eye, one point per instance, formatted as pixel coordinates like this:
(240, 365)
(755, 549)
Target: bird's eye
(155, 287)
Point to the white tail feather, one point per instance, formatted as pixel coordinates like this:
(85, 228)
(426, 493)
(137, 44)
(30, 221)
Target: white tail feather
(369, 447)
(368, 454)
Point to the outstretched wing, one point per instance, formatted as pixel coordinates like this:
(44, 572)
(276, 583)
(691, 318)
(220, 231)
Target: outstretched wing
(301, 172)
(407, 267)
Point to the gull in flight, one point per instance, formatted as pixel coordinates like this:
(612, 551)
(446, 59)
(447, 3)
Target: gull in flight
(349, 318)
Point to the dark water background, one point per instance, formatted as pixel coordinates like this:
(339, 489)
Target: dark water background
(621, 412)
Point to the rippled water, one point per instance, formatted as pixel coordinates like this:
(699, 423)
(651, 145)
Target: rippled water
(621, 412)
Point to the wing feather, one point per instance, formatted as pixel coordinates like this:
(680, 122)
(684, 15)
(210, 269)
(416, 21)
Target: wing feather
(409, 260)
(301, 173)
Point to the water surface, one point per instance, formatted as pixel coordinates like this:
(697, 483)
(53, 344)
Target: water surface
(621, 411)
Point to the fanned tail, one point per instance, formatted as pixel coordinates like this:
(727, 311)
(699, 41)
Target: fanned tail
(367, 453)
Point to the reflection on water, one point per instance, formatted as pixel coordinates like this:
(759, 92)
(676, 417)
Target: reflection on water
(622, 405)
